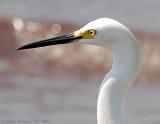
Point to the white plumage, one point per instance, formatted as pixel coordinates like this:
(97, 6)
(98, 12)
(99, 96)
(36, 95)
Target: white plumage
(126, 60)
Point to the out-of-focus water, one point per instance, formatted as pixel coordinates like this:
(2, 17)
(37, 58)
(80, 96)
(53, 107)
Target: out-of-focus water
(49, 101)
(138, 14)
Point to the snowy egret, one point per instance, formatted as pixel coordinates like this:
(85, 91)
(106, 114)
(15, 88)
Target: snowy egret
(121, 42)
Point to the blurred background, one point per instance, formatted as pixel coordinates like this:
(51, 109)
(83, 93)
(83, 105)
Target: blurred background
(59, 84)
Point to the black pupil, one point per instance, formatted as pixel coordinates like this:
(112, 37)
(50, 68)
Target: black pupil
(91, 32)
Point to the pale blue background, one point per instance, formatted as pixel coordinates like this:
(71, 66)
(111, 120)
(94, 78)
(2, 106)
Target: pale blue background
(141, 14)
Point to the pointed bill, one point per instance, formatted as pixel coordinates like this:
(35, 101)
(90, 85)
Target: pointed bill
(64, 39)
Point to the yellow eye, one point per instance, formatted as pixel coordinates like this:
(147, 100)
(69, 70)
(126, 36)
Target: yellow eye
(92, 32)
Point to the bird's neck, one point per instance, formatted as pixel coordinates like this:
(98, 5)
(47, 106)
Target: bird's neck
(126, 61)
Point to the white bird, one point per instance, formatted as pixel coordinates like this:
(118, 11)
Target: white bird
(121, 42)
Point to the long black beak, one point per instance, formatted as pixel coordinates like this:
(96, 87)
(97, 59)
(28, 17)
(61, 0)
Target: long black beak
(52, 41)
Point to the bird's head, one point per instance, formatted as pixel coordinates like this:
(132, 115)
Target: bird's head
(99, 32)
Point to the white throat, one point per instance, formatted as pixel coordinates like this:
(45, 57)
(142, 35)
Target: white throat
(126, 60)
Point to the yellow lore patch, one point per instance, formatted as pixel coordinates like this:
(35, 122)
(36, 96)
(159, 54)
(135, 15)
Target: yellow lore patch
(89, 34)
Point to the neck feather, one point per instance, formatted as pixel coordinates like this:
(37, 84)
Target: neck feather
(126, 60)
